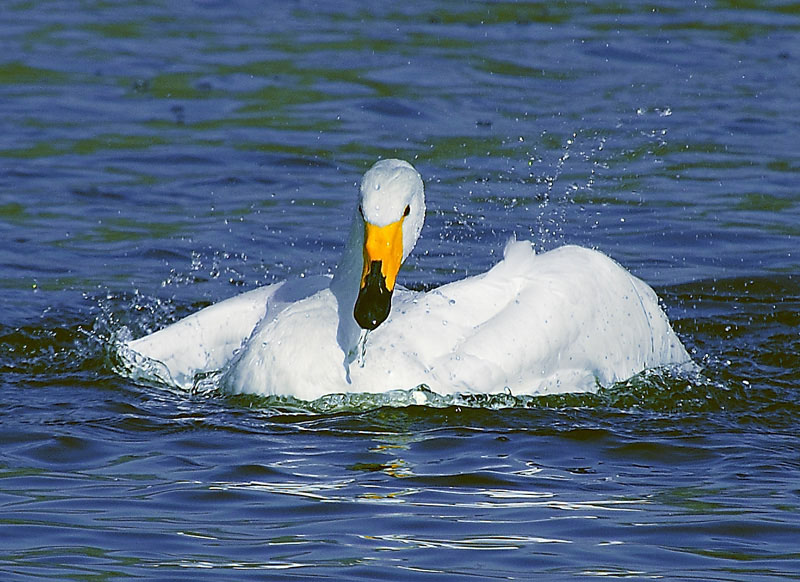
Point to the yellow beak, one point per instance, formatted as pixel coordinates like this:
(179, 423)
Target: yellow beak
(383, 255)
(384, 244)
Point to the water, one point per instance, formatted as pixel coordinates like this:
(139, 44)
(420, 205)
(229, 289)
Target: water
(156, 157)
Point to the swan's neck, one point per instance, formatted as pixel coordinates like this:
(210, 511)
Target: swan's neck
(345, 284)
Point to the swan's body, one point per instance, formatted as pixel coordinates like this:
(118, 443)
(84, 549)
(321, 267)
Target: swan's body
(562, 321)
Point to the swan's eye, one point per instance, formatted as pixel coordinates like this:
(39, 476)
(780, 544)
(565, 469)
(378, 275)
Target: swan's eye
(407, 211)
(361, 210)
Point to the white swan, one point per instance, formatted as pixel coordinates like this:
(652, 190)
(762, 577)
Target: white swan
(563, 321)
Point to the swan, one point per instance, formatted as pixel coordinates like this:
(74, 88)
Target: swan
(566, 320)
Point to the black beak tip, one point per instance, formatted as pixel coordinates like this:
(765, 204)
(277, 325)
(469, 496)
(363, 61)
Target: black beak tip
(374, 300)
(372, 307)
(367, 321)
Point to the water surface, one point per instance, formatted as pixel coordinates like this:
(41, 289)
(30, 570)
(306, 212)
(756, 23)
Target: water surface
(157, 157)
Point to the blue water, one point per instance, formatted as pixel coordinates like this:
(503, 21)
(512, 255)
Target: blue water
(156, 157)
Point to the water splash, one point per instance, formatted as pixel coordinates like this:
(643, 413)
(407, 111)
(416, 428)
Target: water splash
(557, 202)
(663, 390)
(361, 348)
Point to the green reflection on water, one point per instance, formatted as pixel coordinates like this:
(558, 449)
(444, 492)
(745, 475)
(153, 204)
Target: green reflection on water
(498, 13)
(127, 29)
(86, 146)
(764, 202)
(183, 85)
(17, 73)
(498, 67)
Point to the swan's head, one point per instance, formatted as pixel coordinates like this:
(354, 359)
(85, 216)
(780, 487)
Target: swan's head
(392, 210)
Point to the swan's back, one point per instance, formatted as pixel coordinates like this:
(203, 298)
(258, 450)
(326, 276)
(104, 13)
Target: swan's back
(557, 322)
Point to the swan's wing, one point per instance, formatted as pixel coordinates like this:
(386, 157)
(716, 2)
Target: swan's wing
(205, 341)
(560, 321)
(576, 318)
